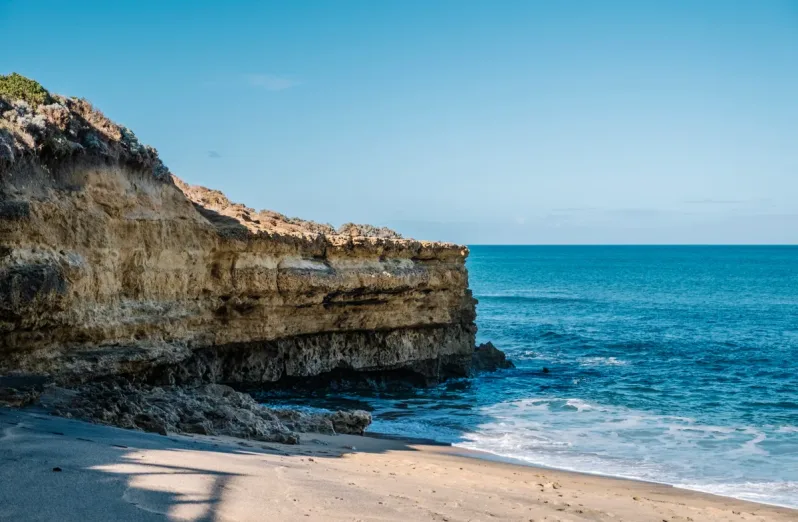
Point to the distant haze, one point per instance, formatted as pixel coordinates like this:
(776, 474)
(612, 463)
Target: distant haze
(469, 121)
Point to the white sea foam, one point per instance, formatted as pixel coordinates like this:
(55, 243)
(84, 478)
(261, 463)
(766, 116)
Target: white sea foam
(579, 404)
(576, 435)
(601, 361)
(777, 493)
(416, 429)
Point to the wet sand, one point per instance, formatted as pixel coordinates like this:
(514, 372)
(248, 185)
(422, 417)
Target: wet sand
(60, 469)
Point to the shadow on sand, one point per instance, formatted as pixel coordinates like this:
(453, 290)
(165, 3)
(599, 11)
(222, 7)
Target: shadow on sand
(53, 468)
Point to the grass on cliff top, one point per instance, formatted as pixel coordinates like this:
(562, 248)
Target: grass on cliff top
(17, 87)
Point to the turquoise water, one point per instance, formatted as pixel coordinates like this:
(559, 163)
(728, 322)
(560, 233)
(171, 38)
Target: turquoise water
(671, 364)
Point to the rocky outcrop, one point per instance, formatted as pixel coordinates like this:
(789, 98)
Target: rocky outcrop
(111, 266)
(209, 409)
(488, 358)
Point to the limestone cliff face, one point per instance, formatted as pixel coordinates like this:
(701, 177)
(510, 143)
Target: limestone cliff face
(109, 265)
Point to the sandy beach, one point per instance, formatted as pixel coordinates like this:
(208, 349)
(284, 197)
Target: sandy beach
(60, 469)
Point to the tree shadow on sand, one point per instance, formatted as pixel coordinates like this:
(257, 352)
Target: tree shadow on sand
(53, 468)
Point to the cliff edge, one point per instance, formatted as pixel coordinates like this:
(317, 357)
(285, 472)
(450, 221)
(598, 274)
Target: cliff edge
(111, 266)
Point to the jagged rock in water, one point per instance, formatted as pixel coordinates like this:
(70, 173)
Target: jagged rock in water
(352, 422)
(109, 266)
(488, 358)
(209, 409)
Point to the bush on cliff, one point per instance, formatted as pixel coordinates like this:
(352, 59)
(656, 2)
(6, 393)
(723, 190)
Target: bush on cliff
(17, 87)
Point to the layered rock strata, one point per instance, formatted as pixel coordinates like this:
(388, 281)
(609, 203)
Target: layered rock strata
(111, 266)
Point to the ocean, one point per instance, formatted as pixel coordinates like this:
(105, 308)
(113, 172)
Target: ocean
(669, 364)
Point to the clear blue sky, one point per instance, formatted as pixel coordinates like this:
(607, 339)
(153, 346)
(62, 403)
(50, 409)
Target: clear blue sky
(472, 121)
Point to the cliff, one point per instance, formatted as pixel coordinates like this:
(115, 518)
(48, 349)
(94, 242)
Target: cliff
(110, 266)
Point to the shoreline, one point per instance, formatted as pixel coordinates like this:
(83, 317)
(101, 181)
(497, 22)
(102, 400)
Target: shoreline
(495, 457)
(486, 455)
(57, 468)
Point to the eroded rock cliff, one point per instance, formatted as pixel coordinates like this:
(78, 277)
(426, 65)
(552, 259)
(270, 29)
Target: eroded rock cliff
(111, 266)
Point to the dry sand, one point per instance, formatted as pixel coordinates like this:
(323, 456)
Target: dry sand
(64, 470)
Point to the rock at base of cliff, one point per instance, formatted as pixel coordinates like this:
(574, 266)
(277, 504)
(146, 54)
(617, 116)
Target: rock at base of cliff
(18, 391)
(211, 409)
(15, 398)
(350, 422)
(488, 358)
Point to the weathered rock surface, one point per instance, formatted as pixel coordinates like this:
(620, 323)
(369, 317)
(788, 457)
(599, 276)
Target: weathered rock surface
(110, 266)
(209, 409)
(488, 358)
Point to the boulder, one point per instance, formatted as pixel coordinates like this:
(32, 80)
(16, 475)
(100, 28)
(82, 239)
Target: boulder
(488, 358)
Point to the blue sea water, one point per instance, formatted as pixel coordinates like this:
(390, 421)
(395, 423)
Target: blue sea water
(670, 364)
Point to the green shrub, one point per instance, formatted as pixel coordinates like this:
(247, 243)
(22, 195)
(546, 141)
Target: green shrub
(17, 87)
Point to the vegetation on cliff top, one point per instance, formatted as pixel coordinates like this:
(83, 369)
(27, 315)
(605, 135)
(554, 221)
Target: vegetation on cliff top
(51, 128)
(17, 87)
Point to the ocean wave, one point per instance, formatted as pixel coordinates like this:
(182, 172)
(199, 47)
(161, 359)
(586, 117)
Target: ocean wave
(778, 493)
(511, 298)
(409, 427)
(551, 334)
(752, 446)
(601, 361)
(785, 405)
(526, 355)
(632, 345)
(559, 338)
(576, 434)
(784, 494)
(578, 404)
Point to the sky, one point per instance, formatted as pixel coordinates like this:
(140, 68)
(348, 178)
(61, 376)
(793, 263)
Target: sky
(479, 122)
